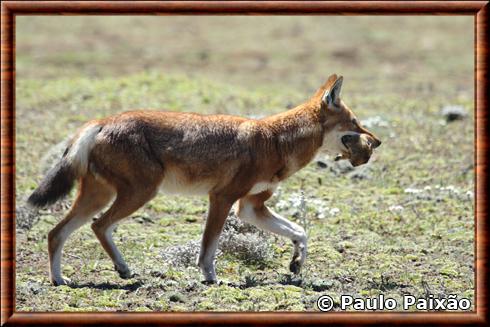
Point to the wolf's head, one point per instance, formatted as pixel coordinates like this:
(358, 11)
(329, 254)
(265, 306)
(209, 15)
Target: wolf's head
(344, 136)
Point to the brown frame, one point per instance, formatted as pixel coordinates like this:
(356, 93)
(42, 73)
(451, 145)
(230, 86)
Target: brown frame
(9, 9)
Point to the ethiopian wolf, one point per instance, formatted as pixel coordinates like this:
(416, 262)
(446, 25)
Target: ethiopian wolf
(123, 160)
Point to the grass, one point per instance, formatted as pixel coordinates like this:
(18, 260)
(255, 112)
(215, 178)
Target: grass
(403, 224)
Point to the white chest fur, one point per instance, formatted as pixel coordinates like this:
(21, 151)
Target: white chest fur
(263, 186)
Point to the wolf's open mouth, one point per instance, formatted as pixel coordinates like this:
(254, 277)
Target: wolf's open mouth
(341, 156)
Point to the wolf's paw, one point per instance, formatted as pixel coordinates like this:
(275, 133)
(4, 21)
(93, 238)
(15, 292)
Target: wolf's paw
(124, 272)
(60, 281)
(295, 266)
(209, 282)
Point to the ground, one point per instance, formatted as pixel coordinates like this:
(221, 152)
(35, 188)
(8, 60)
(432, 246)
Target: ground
(402, 224)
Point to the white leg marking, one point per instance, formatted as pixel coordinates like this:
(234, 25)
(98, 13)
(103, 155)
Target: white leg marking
(60, 239)
(206, 260)
(274, 223)
(277, 224)
(263, 186)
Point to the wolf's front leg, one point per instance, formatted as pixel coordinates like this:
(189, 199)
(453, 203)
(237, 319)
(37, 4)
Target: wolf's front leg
(219, 207)
(253, 210)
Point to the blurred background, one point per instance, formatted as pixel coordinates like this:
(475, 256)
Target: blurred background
(401, 55)
(401, 224)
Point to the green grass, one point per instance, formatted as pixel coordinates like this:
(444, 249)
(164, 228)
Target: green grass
(368, 247)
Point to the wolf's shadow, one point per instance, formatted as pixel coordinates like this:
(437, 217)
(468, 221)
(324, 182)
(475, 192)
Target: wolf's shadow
(110, 286)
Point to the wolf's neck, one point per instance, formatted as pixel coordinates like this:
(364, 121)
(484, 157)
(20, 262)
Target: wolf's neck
(298, 134)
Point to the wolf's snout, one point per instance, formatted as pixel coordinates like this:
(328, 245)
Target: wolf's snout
(359, 162)
(360, 147)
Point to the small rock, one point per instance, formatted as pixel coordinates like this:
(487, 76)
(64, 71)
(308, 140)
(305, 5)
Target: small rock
(412, 190)
(396, 208)
(339, 167)
(177, 297)
(360, 173)
(321, 285)
(191, 219)
(343, 166)
(342, 246)
(321, 164)
(34, 288)
(452, 113)
(143, 219)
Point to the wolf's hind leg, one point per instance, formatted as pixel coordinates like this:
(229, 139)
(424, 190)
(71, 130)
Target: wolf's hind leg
(253, 210)
(92, 197)
(128, 200)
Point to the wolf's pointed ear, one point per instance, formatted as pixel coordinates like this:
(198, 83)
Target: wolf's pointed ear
(331, 97)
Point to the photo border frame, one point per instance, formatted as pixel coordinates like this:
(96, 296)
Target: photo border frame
(10, 9)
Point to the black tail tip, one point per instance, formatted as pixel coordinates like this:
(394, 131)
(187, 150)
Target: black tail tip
(56, 184)
(37, 200)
